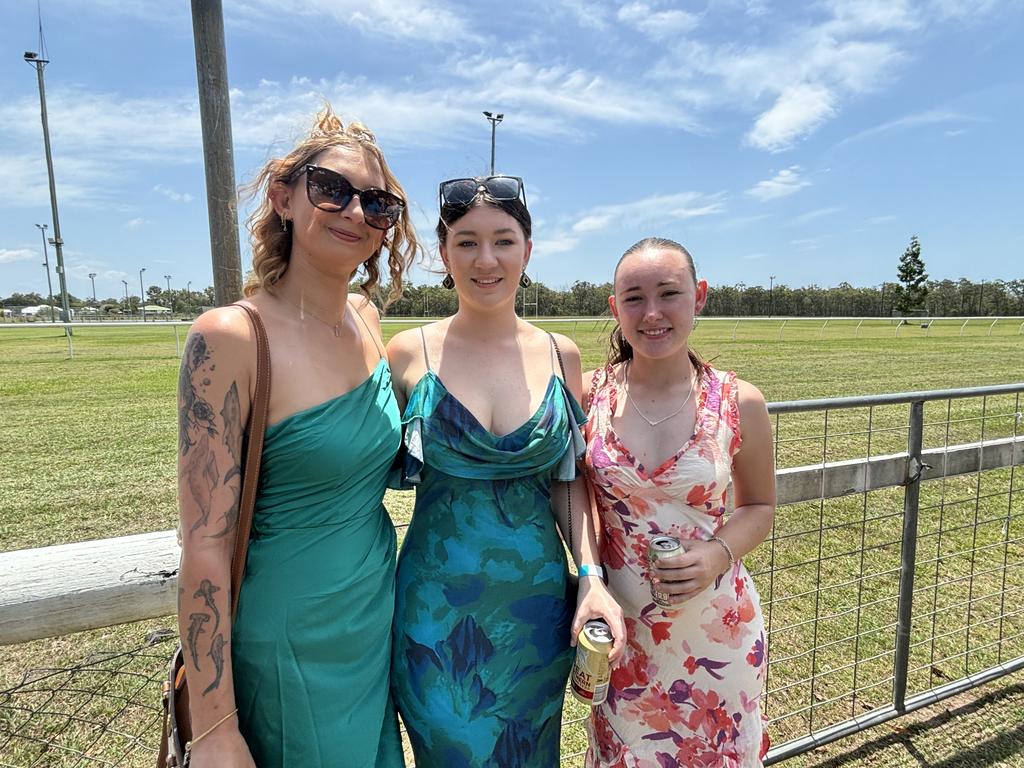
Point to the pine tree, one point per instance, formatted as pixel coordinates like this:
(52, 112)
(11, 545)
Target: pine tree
(911, 292)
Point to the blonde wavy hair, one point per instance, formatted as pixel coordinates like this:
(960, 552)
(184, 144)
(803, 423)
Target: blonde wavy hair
(272, 246)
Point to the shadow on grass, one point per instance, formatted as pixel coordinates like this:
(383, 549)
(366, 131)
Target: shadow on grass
(998, 750)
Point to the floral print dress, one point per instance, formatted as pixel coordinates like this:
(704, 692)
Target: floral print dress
(687, 690)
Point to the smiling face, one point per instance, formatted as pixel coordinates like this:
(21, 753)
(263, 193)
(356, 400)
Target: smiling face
(656, 299)
(338, 242)
(485, 252)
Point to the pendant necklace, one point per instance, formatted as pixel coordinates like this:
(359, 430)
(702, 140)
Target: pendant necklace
(652, 422)
(336, 327)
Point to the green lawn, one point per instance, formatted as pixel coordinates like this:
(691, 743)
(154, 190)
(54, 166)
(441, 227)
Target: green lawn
(88, 451)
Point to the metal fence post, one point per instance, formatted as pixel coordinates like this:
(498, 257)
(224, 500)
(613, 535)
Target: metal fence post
(908, 554)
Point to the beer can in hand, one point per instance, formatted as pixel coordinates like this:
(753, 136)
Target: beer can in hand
(590, 671)
(658, 547)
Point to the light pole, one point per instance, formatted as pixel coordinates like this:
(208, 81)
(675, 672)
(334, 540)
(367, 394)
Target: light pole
(46, 263)
(39, 62)
(771, 295)
(142, 296)
(493, 120)
(92, 276)
(169, 299)
(188, 292)
(126, 304)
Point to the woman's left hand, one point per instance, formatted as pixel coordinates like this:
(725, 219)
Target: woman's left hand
(596, 602)
(684, 575)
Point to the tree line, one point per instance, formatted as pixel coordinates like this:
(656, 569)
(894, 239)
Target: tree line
(944, 298)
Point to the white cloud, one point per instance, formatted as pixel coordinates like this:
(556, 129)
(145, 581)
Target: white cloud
(170, 194)
(882, 219)
(548, 246)
(783, 184)
(655, 23)
(397, 19)
(797, 112)
(682, 205)
(10, 255)
(135, 223)
(936, 116)
(805, 218)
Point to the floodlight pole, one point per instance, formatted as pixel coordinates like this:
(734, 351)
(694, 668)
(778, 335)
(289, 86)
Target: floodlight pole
(126, 304)
(142, 296)
(771, 295)
(215, 115)
(493, 120)
(46, 263)
(39, 63)
(92, 276)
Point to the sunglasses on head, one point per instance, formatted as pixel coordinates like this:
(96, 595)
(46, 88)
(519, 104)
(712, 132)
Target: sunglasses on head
(330, 191)
(462, 191)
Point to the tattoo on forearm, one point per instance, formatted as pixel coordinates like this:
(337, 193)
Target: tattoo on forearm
(217, 654)
(206, 591)
(195, 629)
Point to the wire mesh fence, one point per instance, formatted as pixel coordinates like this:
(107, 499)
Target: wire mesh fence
(892, 579)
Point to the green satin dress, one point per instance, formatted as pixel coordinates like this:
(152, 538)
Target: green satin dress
(312, 637)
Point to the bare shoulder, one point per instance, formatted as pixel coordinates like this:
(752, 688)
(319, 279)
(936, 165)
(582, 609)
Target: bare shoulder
(749, 397)
(366, 308)
(403, 344)
(755, 424)
(224, 325)
(222, 342)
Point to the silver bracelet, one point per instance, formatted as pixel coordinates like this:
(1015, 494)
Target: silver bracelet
(728, 550)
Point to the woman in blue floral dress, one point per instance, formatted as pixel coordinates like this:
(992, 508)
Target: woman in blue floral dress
(484, 614)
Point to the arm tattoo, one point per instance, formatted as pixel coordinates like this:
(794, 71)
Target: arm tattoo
(231, 413)
(206, 591)
(217, 654)
(195, 629)
(194, 413)
(202, 476)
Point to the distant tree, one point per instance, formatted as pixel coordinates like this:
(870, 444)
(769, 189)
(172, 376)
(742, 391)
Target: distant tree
(912, 290)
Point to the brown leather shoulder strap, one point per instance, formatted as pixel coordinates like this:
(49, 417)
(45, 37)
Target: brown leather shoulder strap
(257, 427)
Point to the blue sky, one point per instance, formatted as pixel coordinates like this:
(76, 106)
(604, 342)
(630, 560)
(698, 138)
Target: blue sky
(803, 140)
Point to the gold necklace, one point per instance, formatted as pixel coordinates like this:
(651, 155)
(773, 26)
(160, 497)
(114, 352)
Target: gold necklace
(655, 422)
(336, 327)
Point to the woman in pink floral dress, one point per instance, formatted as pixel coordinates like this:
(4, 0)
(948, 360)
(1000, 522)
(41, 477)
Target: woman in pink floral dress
(687, 690)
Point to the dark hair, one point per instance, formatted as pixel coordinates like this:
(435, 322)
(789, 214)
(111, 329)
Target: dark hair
(620, 350)
(450, 213)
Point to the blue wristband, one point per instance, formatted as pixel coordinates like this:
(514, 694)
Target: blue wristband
(588, 569)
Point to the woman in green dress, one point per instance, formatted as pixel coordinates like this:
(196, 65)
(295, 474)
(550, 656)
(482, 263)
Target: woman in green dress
(301, 678)
(484, 620)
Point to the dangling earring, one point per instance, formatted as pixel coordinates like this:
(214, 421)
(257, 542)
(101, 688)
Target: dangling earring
(284, 223)
(524, 280)
(448, 282)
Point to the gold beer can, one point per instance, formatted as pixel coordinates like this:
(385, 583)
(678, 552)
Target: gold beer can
(590, 671)
(658, 547)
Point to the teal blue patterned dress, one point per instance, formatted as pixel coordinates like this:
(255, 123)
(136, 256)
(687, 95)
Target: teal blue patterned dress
(482, 620)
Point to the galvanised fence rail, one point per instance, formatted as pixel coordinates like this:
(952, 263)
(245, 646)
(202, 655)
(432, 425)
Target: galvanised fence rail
(742, 329)
(892, 579)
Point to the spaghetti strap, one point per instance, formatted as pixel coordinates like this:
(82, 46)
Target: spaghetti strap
(373, 336)
(554, 353)
(426, 357)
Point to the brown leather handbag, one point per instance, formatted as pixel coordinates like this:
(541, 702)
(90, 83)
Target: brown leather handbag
(177, 721)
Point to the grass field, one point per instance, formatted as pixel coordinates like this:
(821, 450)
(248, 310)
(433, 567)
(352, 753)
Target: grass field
(87, 448)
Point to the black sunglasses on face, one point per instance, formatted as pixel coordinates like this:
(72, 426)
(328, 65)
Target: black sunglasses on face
(462, 191)
(330, 191)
